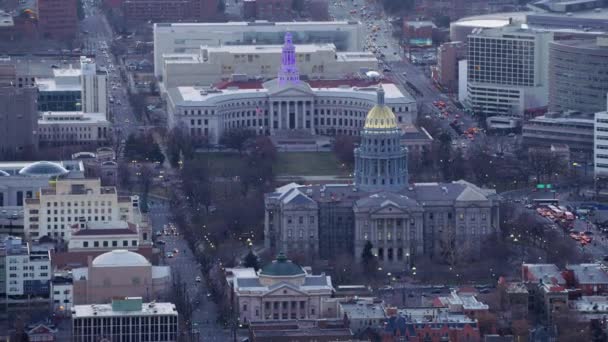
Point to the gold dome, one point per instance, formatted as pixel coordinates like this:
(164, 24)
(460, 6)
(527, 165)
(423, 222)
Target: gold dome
(381, 116)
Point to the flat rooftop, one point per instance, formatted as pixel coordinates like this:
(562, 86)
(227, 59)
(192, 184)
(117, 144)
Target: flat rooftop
(105, 310)
(250, 49)
(253, 89)
(258, 23)
(54, 118)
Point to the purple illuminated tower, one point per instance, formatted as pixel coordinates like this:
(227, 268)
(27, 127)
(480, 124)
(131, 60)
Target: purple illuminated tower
(289, 71)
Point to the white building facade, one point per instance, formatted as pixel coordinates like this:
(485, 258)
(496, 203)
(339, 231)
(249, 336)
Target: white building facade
(107, 236)
(94, 87)
(66, 128)
(507, 70)
(274, 109)
(281, 290)
(127, 317)
(172, 38)
(600, 143)
(76, 202)
(214, 64)
(28, 271)
(22, 180)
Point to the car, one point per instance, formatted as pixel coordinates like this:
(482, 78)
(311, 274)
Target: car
(160, 242)
(169, 255)
(127, 121)
(159, 233)
(198, 279)
(175, 250)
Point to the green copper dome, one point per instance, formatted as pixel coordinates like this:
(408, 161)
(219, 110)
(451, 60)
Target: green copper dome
(281, 267)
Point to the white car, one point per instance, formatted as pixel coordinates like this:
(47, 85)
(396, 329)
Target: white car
(198, 279)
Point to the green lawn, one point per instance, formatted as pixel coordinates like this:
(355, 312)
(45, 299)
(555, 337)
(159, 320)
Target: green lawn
(288, 163)
(307, 164)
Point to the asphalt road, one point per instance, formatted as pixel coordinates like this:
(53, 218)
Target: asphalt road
(97, 41)
(185, 265)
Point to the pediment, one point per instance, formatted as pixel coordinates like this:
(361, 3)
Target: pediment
(284, 289)
(291, 90)
(389, 208)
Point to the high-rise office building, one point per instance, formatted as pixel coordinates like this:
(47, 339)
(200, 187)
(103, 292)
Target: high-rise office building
(578, 74)
(57, 19)
(94, 88)
(600, 139)
(18, 120)
(507, 70)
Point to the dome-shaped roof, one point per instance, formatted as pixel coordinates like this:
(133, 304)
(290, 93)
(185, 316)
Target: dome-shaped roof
(4, 173)
(381, 116)
(43, 169)
(120, 258)
(281, 267)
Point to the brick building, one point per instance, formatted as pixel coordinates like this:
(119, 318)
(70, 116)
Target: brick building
(57, 19)
(169, 10)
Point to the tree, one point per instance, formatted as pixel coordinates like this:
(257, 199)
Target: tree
(344, 149)
(369, 260)
(80, 10)
(124, 175)
(146, 177)
(251, 260)
(196, 181)
(237, 138)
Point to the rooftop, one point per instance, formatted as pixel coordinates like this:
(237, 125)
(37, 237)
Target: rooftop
(288, 24)
(106, 310)
(120, 258)
(282, 267)
(547, 273)
(53, 118)
(588, 273)
(363, 309)
(462, 301)
(254, 89)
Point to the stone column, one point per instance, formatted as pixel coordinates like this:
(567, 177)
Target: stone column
(271, 119)
(312, 117)
(280, 115)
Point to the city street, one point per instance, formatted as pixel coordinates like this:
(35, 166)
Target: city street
(98, 36)
(378, 35)
(184, 265)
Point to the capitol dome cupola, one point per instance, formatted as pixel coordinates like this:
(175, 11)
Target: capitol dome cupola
(380, 159)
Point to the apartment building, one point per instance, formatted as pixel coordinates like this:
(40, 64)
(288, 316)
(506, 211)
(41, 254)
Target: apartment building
(27, 269)
(507, 70)
(72, 202)
(57, 19)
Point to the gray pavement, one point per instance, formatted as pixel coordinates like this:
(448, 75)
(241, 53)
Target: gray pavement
(183, 263)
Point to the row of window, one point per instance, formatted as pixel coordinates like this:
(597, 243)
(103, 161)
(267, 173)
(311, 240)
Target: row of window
(125, 243)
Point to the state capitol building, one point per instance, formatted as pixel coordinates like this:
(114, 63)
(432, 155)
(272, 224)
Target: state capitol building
(402, 220)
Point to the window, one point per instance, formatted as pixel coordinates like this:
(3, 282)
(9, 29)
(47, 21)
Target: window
(133, 242)
(311, 220)
(114, 243)
(96, 243)
(105, 243)
(125, 243)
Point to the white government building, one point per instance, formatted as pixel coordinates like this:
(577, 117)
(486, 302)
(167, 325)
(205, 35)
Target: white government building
(211, 64)
(73, 128)
(284, 105)
(172, 38)
(281, 290)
